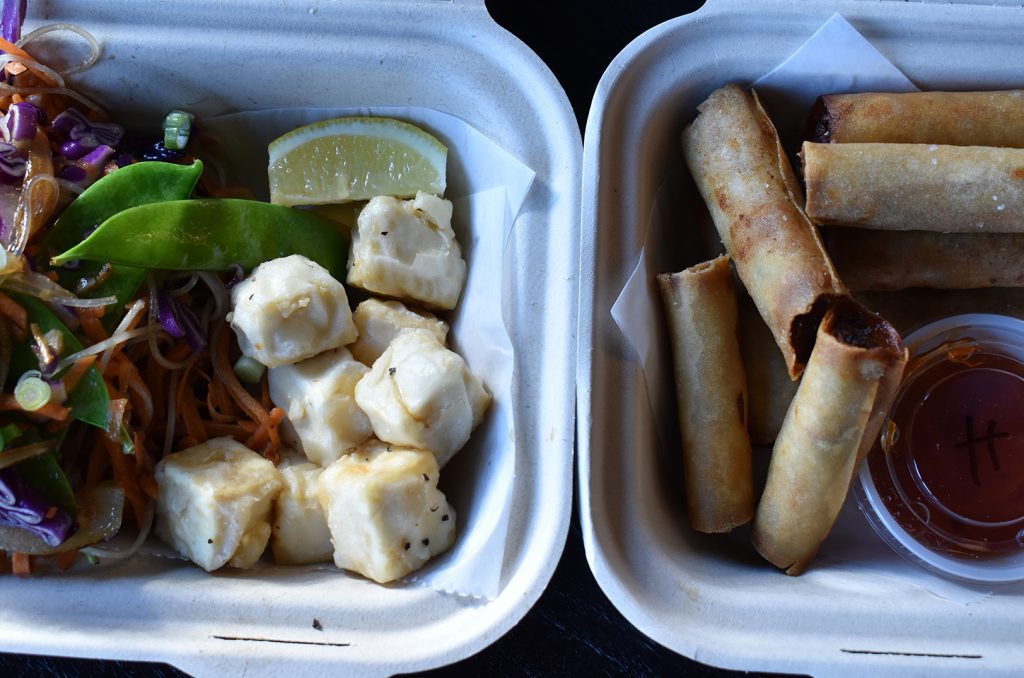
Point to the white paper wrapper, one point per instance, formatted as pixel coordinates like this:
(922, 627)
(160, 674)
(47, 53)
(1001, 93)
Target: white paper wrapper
(835, 59)
(487, 186)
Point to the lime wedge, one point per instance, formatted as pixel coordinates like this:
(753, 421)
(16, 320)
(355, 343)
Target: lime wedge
(347, 159)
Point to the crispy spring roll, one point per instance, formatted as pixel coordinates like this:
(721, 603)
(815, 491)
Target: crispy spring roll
(919, 187)
(769, 388)
(838, 410)
(734, 155)
(953, 118)
(896, 260)
(700, 304)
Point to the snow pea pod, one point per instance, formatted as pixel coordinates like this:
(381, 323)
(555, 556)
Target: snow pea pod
(138, 184)
(211, 235)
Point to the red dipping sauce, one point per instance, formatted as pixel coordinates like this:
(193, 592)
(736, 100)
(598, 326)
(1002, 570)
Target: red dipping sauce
(949, 466)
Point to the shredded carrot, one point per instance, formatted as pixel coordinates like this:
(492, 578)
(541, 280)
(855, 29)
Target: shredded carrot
(55, 425)
(50, 410)
(66, 559)
(240, 431)
(267, 431)
(77, 371)
(12, 49)
(92, 328)
(188, 408)
(149, 486)
(130, 382)
(220, 405)
(125, 477)
(180, 351)
(21, 563)
(265, 391)
(222, 369)
(17, 316)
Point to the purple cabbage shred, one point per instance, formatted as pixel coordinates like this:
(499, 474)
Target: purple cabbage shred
(87, 169)
(179, 320)
(18, 128)
(13, 18)
(21, 505)
(79, 135)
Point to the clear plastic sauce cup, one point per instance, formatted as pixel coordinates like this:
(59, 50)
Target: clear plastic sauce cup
(944, 485)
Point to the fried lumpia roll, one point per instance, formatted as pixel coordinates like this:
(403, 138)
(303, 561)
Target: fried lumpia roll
(838, 410)
(896, 260)
(755, 201)
(711, 392)
(953, 118)
(916, 187)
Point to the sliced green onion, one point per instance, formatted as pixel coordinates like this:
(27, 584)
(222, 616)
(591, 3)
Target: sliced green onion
(177, 127)
(249, 370)
(127, 444)
(32, 392)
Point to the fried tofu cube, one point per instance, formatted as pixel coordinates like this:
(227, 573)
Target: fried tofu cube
(420, 394)
(317, 395)
(290, 309)
(386, 516)
(300, 534)
(214, 502)
(407, 249)
(379, 322)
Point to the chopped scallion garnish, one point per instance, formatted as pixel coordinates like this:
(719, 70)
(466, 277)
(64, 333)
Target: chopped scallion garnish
(177, 128)
(249, 370)
(127, 444)
(32, 392)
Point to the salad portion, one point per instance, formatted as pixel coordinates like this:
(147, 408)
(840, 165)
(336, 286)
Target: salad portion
(178, 358)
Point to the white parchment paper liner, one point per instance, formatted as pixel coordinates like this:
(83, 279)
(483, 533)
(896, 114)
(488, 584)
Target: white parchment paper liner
(487, 187)
(835, 59)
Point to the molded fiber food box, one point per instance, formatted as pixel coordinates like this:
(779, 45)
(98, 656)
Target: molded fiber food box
(712, 598)
(220, 56)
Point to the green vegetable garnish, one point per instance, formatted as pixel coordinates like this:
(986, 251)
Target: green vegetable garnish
(177, 128)
(249, 370)
(32, 392)
(138, 184)
(90, 400)
(211, 235)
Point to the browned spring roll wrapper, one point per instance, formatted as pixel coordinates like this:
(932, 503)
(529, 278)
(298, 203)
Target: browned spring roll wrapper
(711, 392)
(954, 118)
(916, 187)
(733, 152)
(896, 260)
(838, 410)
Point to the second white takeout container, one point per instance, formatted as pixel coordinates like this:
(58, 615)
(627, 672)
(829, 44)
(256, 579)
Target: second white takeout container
(711, 597)
(221, 56)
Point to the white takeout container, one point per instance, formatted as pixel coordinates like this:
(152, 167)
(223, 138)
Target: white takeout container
(218, 56)
(713, 598)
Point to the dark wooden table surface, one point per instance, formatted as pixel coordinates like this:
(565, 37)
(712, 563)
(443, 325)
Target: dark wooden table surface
(573, 630)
